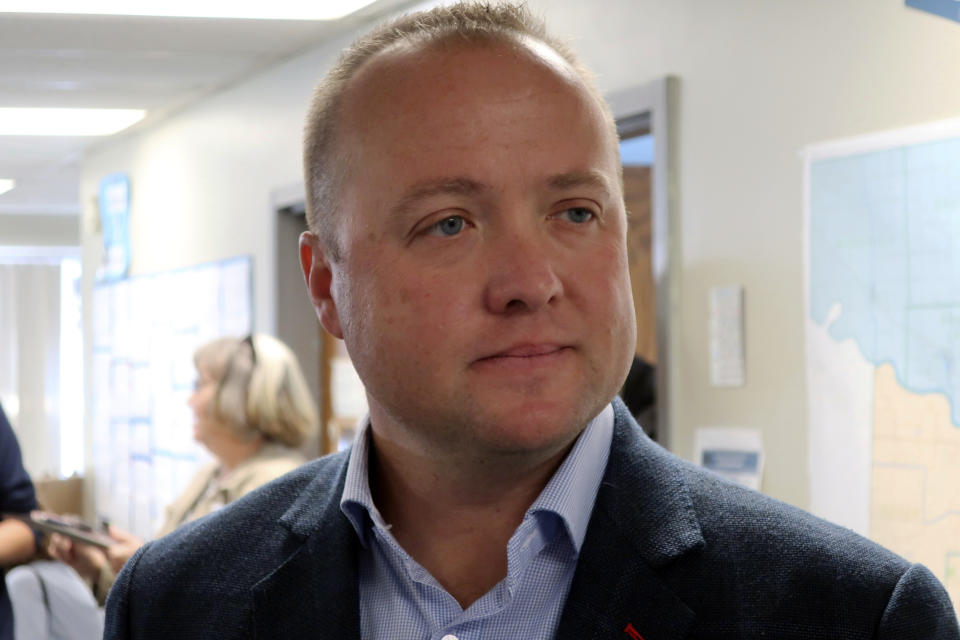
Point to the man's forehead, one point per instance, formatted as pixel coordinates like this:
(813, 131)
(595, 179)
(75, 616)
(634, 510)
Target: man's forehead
(456, 59)
(418, 102)
(522, 46)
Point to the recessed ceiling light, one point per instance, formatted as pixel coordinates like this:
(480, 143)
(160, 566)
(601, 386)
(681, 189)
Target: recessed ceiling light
(16, 121)
(252, 9)
(6, 184)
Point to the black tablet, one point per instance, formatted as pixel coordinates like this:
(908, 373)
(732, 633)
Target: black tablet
(70, 526)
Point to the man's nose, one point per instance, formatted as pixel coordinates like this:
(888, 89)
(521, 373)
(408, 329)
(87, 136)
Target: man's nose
(522, 275)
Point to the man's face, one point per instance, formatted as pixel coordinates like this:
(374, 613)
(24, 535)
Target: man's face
(482, 290)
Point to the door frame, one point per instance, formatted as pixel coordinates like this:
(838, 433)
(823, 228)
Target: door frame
(653, 105)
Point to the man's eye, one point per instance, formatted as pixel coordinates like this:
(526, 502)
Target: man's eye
(578, 215)
(448, 226)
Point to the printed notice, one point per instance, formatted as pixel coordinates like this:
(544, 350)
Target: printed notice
(734, 453)
(727, 367)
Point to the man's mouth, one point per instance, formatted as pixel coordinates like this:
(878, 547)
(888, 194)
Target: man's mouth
(525, 352)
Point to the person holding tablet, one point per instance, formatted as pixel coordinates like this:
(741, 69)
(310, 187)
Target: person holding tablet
(17, 541)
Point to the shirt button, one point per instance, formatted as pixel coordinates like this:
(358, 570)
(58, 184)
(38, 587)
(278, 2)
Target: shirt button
(449, 636)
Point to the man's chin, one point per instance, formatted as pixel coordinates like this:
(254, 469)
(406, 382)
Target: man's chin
(549, 412)
(534, 430)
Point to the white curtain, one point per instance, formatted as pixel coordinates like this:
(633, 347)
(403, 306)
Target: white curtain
(30, 361)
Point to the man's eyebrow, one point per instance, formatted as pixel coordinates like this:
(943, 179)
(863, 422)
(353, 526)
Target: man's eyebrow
(441, 186)
(589, 178)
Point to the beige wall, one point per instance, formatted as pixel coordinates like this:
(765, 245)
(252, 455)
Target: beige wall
(39, 230)
(759, 80)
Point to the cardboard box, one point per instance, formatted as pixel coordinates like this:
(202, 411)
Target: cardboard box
(61, 495)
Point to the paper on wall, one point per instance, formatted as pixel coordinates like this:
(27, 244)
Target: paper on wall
(734, 453)
(727, 364)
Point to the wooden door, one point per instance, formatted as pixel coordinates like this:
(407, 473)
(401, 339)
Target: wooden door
(637, 195)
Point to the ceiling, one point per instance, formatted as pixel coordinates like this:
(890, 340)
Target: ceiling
(157, 64)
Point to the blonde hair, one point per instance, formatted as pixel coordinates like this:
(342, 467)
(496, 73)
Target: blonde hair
(261, 390)
(468, 22)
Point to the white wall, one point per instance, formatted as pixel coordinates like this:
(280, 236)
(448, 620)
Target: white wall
(201, 182)
(759, 80)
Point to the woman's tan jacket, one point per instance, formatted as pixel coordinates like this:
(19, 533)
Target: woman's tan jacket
(205, 494)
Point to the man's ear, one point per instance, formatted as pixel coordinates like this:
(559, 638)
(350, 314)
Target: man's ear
(315, 262)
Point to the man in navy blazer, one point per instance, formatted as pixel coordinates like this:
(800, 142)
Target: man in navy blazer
(467, 242)
(672, 552)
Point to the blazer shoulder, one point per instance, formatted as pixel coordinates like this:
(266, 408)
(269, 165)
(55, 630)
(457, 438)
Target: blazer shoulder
(735, 522)
(832, 576)
(733, 517)
(260, 514)
(920, 609)
(767, 563)
(203, 573)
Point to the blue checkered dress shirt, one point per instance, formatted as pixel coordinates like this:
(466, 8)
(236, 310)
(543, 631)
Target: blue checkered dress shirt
(400, 600)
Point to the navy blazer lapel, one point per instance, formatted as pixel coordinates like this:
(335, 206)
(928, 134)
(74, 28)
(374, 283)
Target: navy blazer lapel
(315, 591)
(642, 521)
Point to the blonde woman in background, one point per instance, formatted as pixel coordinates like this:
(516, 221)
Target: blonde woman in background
(252, 409)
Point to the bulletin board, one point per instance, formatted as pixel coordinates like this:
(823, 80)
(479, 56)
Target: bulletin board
(145, 330)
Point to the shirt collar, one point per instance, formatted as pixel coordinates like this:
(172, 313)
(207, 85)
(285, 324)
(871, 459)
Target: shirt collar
(570, 493)
(572, 490)
(356, 502)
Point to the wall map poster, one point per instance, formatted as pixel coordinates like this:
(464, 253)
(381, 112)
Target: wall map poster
(883, 340)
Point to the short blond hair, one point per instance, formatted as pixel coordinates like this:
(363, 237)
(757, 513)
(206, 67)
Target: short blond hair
(261, 390)
(470, 22)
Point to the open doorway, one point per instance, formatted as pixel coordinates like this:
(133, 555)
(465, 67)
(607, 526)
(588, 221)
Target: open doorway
(643, 116)
(296, 321)
(326, 364)
(636, 154)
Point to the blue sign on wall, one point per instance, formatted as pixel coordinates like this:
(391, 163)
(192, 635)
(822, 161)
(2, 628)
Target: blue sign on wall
(115, 219)
(946, 8)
